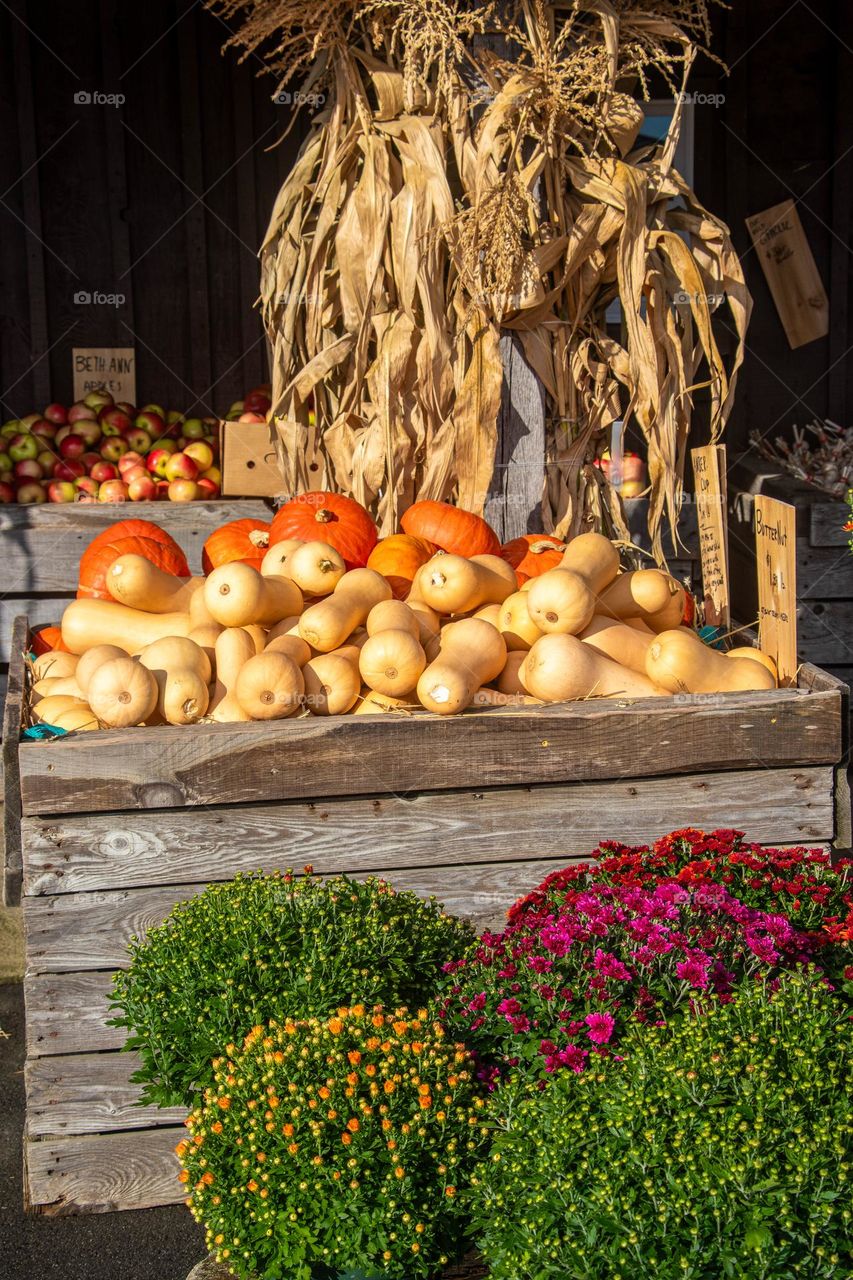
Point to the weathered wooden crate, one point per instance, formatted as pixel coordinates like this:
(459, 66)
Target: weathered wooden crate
(824, 562)
(116, 827)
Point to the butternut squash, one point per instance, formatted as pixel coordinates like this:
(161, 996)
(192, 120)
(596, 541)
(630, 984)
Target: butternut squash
(619, 642)
(200, 615)
(259, 635)
(274, 563)
(122, 692)
(755, 655)
(316, 568)
(293, 647)
(391, 662)
(205, 637)
(678, 661)
(331, 683)
(451, 584)
(86, 623)
(561, 668)
(76, 718)
(237, 596)
(327, 624)
(352, 653)
(234, 647)
(372, 703)
(472, 653)
(594, 558)
(509, 680)
(50, 707)
(392, 615)
(560, 602)
(54, 664)
(52, 685)
(182, 672)
(490, 613)
(287, 627)
(515, 623)
(94, 658)
(429, 624)
(136, 582)
(648, 594)
(269, 686)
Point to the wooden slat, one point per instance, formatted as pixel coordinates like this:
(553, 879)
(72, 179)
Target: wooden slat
(11, 780)
(824, 573)
(825, 633)
(68, 1013)
(192, 146)
(514, 502)
(42, 545)
(170, 767)
(89, 1093)
(100, 1173)
(367, 833)
(827, 524)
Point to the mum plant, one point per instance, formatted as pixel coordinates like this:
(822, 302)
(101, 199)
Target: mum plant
(718, 1146)
(326, 1145)
(266, 946)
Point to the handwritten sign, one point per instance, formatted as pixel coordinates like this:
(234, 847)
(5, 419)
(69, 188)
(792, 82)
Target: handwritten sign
(776, 555)
(113, 368)
(791, 272)
(709, 470)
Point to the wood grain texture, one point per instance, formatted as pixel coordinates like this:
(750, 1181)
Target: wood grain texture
(39, 611)
(369, 833)
(68, 1013)
(11, 782)
(169, 767)
(100, 1173)
(89, 1093)
(514, 502)
(827, 520)
(825, 631)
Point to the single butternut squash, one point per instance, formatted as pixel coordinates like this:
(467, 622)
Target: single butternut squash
(560, 602)
(293, 647)
(451, 584)
(122, 692)
(86, 623)
(136, 582)
(234, 647)
(200, 615)
(327, 624)
(182, 672)
(315, 567)
(594, 558)
(648, 594)
(509, 680)
(678, 661)
(615, 640)
(274, 563)
(561, 668)
(54, 664)
(472, 653)
(331, 682)
(515, 623)
(94, 658)
(391, 662)
(238, 596)
(392, 615)
(269, 686)
(490, 613)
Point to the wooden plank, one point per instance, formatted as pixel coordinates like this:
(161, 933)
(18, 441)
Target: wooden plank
(37, 609)
(827, 524)
(374, 833)
(104, 1172)
(189, 93)
(791, 272)
(514, 502)
(637, 519)
(68, 1013)
(824, 573)
(825, 631)
(11, 780)
(89, 1093)
(42, 545)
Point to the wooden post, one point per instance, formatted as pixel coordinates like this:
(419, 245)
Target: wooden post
(514, 502)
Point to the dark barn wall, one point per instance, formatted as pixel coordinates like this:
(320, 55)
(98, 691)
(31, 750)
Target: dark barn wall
(164, 199)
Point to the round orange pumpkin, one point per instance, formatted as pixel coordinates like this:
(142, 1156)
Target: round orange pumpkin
(246, 540)
(533, 554)
(459, 532)
(47, 639)
(333, 518)
(96, 562)
(398, 559)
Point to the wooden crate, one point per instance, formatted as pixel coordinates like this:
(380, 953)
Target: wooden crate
(116, 827)
(824, 562)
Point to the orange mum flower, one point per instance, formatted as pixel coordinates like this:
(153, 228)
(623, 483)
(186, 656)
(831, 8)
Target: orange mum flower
(346, 1139)
(324, 1092)
(417, 1047)
(425, 1103)
(352, 1078)
(354, 1057)
(335, 1026)
(386, 1125)
(251, 1185)
(401, 1028)
(389, 1086)
(216, 1127)
(373, 1042)
(353, 1125)
(450, 1191)
(399, 1172)
(184, 1175)
(293, 1147)
(423, 1090)
(370, 1070)
(180, 1150)
(224, 1103)
(378, 1020)
(207, 1178)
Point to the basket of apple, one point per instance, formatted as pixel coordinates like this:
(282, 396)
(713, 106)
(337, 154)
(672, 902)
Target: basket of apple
(99, 450)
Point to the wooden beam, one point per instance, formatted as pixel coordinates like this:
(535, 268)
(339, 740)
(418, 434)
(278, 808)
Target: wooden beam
(514, 503)
(69, 1012)
(89, 1093)
(98, 1173)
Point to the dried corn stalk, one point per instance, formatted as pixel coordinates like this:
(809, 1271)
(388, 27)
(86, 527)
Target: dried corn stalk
(473, 170)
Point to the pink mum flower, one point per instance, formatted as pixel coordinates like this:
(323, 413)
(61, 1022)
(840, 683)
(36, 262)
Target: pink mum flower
(600, 1027)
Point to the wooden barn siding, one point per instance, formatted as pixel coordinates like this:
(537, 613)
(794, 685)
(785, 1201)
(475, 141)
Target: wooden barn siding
(112, 204)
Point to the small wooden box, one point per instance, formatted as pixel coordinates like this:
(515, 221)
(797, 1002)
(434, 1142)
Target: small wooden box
(115, 827)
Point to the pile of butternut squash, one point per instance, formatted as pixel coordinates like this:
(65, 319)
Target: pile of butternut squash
(304, 634)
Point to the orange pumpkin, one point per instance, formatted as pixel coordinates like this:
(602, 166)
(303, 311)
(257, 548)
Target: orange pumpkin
(460, 532)
(246, 540)
(162, 551)
(532, 554)
(47, 639)
(333, 518)
(398, 559)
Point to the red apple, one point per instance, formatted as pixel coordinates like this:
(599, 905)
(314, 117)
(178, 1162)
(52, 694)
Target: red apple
(154, 408)
(256, 402)
(61, 491)
(7, 492)
(102, 471)
(113, 449)
(7, 477)
(184, 491)
(90, 459)
(151, 421)
(113, 491)
(112, 416)
(194, 429)
(212, 473)
(142, 488)
(127, 407)
(208, 488)
(72, 446)
(47, 460)
(129, 460)
(98, 399)
(23, 446)
(180, 467)
(44, 429)
(56, 413)
(28, 469)
(30, 421)
(157, 461)
(71, 469)
(134, 473)
(251, 417)
(139, 439)
(162, 490)
(77, 411)
(31, 492)
(201, 454)
(89, 430)
(85, 485)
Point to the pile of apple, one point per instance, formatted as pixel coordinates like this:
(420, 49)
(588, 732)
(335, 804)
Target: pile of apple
(102, 451)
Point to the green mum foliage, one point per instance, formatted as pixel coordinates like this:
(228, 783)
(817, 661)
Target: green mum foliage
(720, 1146)
(271, 946)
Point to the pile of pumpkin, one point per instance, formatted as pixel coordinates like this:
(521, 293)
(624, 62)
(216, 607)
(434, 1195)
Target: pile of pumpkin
(312, 613)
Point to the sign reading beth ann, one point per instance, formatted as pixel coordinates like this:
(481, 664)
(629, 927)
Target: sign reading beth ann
(113, 368)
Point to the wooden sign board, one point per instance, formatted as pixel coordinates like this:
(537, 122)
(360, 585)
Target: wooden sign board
(776, 557)
(113, 368)
(709, 470)
(791, 273)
